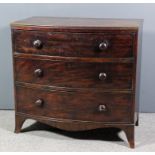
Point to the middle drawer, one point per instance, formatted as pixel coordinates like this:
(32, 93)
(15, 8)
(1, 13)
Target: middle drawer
(74, 74)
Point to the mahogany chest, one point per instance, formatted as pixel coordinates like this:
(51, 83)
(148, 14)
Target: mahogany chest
(77, 74)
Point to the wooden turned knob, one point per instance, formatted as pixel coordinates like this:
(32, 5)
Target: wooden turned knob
(102, 76)
(37, 44)
(104, 45)
(39, 103)
(38, 72)
(102, 107)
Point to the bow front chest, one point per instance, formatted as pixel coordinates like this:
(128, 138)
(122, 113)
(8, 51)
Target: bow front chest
(77, 74)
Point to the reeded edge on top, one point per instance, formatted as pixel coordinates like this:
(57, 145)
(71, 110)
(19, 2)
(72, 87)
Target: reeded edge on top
(37, 22)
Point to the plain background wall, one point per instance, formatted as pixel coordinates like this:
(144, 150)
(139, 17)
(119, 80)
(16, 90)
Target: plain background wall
(12, 12)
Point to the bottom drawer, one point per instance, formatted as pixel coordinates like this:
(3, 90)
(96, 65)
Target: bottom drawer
(77, 105)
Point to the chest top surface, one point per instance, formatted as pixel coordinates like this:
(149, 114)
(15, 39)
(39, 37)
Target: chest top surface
(67, 22)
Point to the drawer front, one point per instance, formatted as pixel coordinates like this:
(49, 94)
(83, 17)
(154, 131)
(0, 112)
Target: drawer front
(74, 74)
(85, 106)
(74, 44)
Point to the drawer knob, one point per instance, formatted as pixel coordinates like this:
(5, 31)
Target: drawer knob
(104, 45)
(38, 72)
(37, 44)
(102, 76)
(102, 107)
(39, 103)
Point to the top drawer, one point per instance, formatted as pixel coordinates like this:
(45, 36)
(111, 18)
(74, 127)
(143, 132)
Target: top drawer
(112, 45)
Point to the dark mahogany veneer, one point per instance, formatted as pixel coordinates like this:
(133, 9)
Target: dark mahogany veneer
(77, 74)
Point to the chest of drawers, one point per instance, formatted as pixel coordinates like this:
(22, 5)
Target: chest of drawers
(77, 74)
